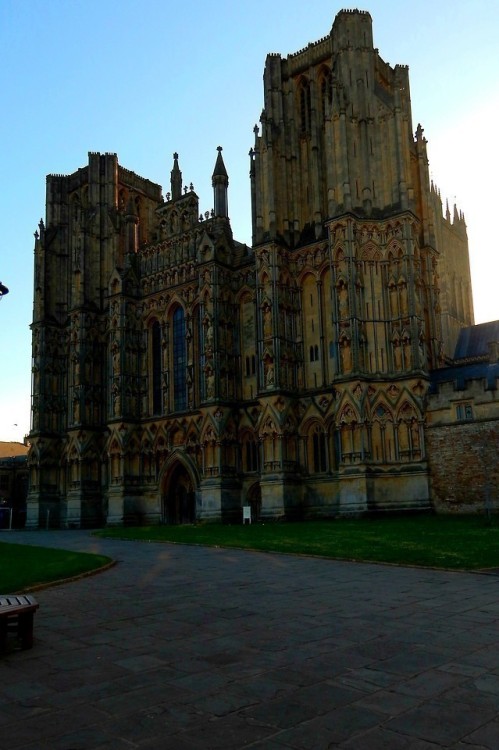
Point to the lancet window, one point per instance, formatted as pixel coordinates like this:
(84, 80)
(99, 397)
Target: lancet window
(179, 361)
(250, 453)
(156, 367)
(319, 450)
(326, 88)
(305, 104)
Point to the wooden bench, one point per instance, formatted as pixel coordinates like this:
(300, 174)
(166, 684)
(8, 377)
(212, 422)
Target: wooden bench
(16, 616)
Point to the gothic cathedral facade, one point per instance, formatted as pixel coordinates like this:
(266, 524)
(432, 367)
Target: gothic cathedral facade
(179, 375)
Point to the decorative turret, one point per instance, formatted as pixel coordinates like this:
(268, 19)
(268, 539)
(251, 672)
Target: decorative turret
(176, 179)
(220, 182)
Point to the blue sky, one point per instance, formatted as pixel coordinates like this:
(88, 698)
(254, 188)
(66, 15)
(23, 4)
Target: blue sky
(150, 78)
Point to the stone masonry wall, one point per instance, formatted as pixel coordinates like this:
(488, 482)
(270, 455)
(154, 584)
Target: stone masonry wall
(464, 466)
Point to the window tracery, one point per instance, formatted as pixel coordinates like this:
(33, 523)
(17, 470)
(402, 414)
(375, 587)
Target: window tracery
(179, 361)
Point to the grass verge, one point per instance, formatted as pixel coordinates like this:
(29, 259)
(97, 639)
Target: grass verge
(461, 543)
(23, 566)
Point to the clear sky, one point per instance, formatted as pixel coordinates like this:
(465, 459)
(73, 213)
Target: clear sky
(145, 79)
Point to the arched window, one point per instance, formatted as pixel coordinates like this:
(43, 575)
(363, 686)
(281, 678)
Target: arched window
(156, 368)
(326, 92)
(179, 361)
(305, 105)
(319, 450)
(251, 455)
(199, 353)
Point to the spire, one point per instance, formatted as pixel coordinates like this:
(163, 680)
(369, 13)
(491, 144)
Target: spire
(220, 182)
(176, 179)
(220, 170)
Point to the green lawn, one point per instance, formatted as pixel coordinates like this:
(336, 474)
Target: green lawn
(24, 566)
(467, 543)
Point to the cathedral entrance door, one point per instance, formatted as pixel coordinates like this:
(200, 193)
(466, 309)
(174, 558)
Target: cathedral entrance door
(178, 503)
(254, 499)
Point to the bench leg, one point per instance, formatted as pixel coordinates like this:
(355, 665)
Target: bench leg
(3, 634)
(25, 629)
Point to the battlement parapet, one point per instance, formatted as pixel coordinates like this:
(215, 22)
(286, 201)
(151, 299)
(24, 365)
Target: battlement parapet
(140, 184)
(353, 12)
(310, 45)
(470, 378)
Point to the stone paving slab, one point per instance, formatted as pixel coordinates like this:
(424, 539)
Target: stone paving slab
(189, 647)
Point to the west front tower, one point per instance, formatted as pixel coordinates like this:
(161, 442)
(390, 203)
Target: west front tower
(351, 251)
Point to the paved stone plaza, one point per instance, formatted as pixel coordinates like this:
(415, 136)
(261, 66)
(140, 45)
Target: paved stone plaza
(182, 648)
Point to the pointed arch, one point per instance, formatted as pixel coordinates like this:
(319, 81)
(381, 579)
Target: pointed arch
(371, 252)
(304, 104)
(264, 279)
(179, 481)
(342, 297)
(410, 433)
(133, 454)
(383, 443)
(178, 356)
(325, 80)
(350, 432)
(403, 295)
(380, 409)
(347, 413)
(155, 364)
(406, 411)
(254, 500)
(249, 450)
(315, 440)
(394, 252)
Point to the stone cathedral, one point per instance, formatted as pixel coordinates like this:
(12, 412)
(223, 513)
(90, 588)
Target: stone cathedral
(180, 375)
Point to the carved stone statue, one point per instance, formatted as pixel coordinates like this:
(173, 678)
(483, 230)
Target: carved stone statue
(343, 301)
(267, 321)
(346, 356)
(269, 374)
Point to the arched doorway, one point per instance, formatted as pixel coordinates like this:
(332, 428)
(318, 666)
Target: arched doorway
(179, 504)
(254, 499)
